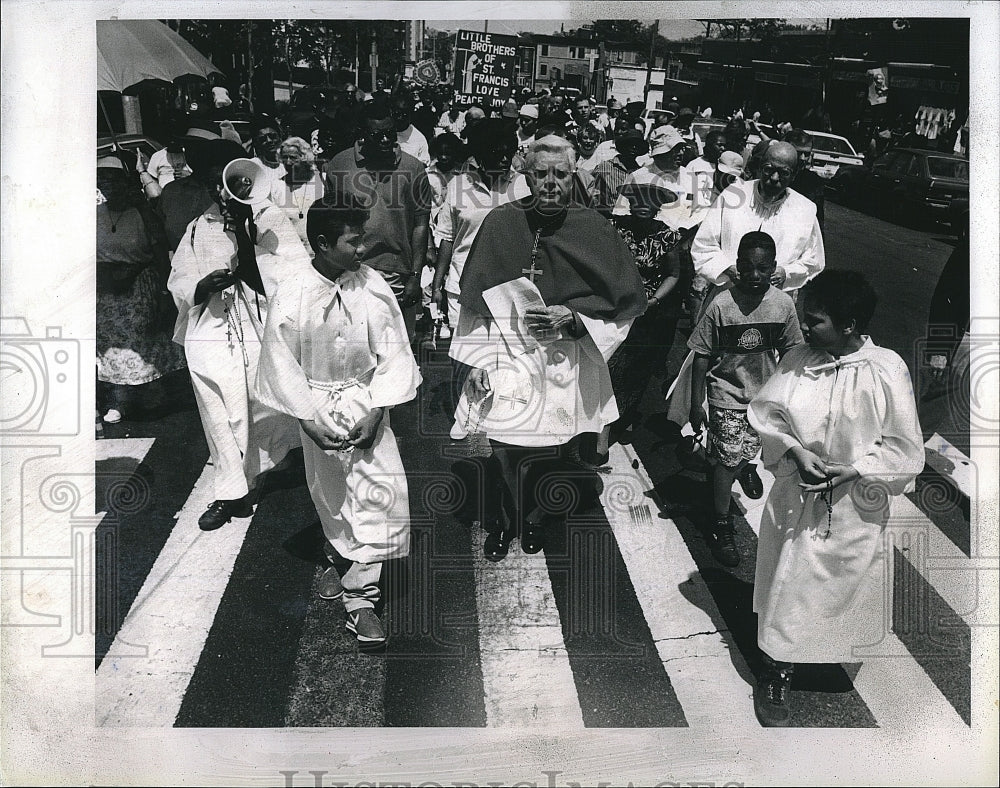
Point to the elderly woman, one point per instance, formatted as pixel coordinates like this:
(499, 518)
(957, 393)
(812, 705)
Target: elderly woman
(300, 186)
(548, 292)
(132, 347)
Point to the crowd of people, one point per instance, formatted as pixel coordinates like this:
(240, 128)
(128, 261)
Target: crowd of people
(558, 251)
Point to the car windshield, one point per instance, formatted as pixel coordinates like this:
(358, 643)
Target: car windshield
(832, 145)
(948, 168)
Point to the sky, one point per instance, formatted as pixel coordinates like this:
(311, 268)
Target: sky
(669, 28)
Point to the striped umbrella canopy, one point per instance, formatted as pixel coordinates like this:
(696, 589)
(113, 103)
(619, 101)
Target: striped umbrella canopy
(134, 50)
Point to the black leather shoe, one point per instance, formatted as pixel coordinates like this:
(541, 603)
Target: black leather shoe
(496, 546)
(750, 482)
(723, 544)
(221, 512)
(771, 699)
(532, 537)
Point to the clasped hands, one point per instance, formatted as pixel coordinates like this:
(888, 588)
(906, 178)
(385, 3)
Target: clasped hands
(818, 476)
(545, 323)
(361, 436)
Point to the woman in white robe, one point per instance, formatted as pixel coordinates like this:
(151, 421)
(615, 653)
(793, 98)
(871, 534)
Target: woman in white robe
(839, 431)
(221, 337)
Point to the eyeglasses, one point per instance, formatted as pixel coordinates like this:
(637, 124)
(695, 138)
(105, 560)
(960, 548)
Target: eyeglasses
(769, 169)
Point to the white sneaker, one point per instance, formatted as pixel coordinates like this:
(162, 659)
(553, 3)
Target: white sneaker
(113, 416)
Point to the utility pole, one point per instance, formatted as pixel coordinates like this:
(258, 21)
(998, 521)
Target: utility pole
(649, 65)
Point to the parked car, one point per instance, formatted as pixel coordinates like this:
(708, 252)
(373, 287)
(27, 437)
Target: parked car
(651, 116)
(753, 138)
(702, 126)
(958, 216)
(830, 153)
(926, 182)
(129, 142)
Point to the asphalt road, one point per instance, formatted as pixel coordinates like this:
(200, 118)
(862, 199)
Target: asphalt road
(273, 654)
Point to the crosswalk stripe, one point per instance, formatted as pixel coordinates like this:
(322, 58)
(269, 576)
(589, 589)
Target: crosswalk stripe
(951, 463)
(946, 568)
(694, 652)
(527, 678)
(115, 448)
(895, 687)
(170, 619)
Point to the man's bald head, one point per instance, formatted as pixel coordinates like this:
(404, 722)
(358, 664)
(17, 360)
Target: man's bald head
(781, 161)
(782, 154)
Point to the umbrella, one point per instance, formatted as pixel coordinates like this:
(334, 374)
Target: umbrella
(130, 51)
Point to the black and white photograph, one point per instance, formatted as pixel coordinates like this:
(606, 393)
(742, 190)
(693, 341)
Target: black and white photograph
(572, 395)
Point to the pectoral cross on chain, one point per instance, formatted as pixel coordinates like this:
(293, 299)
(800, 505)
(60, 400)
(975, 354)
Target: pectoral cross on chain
(533, 272)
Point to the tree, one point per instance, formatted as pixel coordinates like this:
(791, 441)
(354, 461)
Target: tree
(440, 46)
(744, 29)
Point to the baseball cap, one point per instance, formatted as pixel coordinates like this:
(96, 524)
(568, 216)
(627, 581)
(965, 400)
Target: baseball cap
(529, 111)
(730, 163)
(509, 109)
(664, 139)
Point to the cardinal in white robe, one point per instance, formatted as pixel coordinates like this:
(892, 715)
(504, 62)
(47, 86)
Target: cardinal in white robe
(227, 265)
(548, 293)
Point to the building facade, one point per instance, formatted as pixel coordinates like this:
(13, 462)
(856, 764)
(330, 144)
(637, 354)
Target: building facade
(565, 62)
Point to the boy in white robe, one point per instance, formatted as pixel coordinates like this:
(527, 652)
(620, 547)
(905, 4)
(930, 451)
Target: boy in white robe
(839, 429)
(336, 356)
(228, 263)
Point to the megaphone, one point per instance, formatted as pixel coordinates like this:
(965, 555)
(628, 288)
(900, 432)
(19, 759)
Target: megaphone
(245, 181)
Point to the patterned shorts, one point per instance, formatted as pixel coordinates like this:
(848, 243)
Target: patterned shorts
(731, 439)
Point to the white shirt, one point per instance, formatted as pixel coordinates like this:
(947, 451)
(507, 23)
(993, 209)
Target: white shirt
(274, 175)
(792, 225)
(467, 201)
(412, 141)
(447, 124)
(166, 166)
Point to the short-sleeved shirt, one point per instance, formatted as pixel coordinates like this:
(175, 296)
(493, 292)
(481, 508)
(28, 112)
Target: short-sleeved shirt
(399, 200)
(467, 201)
(743, 347)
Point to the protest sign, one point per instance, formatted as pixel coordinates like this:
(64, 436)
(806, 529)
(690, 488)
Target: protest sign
(484, 67)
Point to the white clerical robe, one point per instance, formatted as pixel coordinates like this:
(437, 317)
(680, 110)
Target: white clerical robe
(333, 350)
(820, 595)
(221, 339)
(793, 226)
(540, 397)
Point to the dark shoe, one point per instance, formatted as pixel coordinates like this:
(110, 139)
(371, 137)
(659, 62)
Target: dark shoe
(771, 698)
(750, 482)
(221, 512)
(532, 537)
(366, 627)
(723, 544)
(330, 586)
(497, 545)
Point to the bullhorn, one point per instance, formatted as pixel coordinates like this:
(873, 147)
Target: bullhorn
(245, 181)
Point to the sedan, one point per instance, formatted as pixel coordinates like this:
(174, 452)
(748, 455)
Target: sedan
(830, 153)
